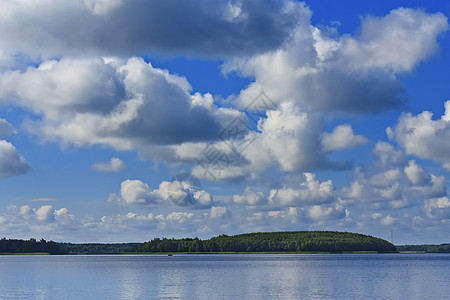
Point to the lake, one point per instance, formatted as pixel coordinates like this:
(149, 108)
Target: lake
(225, 276)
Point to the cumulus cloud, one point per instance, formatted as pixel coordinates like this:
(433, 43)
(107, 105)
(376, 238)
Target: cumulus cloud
(424, 137)
(76, 95)
(6, 128)
(26, 221)
(123, 104)
(395, 42)
(176, 192)
(130, 105)
(25, 211)
(311, 191)
(437, 208)
(11, 161)
(114, 165)
(136, 192)
(321, 212)
(250, 198)
(179, 217)
(218, 161)
(416, 173)
(288, 138)
(203, 198)
(133, 27)
(306, 202)
(45, 213)
(386, 155)
(352, 74)
(391, 185)
(388, 220)
(290, 213)
(341, 138)
(292, 138)
(218, 212)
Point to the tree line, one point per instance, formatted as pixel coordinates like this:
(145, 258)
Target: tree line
(30, 246)
(442, 248)
(289, 241)
(50, 247)
(98, 248)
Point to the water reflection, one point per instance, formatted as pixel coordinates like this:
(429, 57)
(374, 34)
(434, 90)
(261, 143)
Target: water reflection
(395, 276)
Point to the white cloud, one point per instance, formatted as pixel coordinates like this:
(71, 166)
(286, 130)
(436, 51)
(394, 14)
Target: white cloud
(219, 212)
(128, 105)
(437, 208)
(136, 192)
(11, 162)
(322, 212)
(117, 27)
(291, 137)
(388, 220)
(228, 166)
(184, 193)
(391, 182)
(416, 174)
(42, 214)
(45, 199)
(341, 138)
(37, 216)
(25, 211)
(114, 165)
(352, 74)
(250, 198)
(424, 137)
(311, 191)
(396, 42)
(376, 215)
(61, 211)
(45, 213)
(6, 61)
(179, 217)
(288, 138)
(387, 155)
(176, 192)
(102, 7)
(84, 98)
(6, 128)
(203, 198)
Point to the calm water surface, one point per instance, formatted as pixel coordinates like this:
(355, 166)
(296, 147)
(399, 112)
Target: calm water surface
(246, 276)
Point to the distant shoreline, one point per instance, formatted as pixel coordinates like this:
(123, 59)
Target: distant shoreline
(218, 253)
(199, 253)
(284, 242)
(25, 254)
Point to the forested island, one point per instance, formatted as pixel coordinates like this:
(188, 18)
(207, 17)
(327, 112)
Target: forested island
(288, 241)
(261, 242)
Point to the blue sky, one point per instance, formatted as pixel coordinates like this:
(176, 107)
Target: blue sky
(104, 105)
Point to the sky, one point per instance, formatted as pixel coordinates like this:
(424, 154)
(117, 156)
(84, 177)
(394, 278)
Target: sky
(122, 121)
